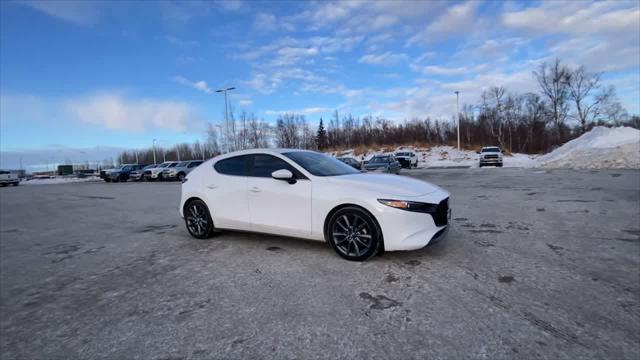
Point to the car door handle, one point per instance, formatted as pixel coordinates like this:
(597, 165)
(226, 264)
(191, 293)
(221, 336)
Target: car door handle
(212, 186)
(255, 189)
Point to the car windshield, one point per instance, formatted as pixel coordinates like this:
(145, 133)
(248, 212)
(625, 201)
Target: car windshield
(490, 150)
(379, 159)
(402, 154)
(150, 166)
(320, 164)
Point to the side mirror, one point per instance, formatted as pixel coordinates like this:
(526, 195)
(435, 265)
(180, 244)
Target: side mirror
(285, 175)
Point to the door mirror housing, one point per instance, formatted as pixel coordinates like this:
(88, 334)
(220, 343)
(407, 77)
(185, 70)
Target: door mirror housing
(285, 175)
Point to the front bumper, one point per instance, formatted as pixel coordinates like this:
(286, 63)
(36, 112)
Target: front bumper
(404, 162)
(407, 230)
(490, 161)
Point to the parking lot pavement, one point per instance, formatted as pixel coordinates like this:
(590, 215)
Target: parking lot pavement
(538, 264)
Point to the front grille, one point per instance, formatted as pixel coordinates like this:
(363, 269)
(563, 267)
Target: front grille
(491, 156)
(441, 215)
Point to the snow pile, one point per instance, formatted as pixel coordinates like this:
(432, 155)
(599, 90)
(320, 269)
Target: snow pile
(59, 180)
(599, 148)
(443, 157)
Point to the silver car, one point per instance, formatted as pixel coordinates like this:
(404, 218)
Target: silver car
(180, 171)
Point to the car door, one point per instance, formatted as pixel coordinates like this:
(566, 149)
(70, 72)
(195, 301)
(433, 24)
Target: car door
(276, 206)
(226, 191)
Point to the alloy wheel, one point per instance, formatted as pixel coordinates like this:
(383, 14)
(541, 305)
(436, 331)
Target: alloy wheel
(197, 219)
(352, 235)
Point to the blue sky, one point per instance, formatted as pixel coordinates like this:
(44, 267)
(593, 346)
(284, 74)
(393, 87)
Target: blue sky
(81, 80)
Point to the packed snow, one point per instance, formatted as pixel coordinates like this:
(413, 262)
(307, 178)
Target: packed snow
(59, 180)
(599, 148)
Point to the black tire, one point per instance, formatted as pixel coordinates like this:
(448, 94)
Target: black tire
(107, 180)
(181, 177)
(123, 178)
(198, 220)
(16, 183)
(499, 165)
(160, 177)
(353, 234)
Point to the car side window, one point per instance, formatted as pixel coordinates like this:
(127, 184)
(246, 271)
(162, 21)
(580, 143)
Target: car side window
(264, 165)
(236, 166)
(194, 164)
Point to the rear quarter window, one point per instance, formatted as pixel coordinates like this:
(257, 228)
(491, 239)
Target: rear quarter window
(235, 166)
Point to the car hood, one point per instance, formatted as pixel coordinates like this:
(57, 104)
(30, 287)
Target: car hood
(386, 185)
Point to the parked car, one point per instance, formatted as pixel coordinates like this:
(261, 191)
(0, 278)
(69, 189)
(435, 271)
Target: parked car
(306, 194)
(351, 162)
(9, 178)
(180, 171)
(155, 173)
(383, 163)
(490, 155)
(136, 175)
(407, 159)
(122, 173)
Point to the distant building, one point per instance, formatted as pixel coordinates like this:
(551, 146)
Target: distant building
(65, 170)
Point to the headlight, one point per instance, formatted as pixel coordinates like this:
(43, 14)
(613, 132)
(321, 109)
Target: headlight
(409, 205)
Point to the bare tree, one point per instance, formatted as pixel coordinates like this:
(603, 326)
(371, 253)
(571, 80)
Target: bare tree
(582, 87)
(553, 80)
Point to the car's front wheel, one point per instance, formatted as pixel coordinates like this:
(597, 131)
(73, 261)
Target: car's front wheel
(198, 220)
(354, 234)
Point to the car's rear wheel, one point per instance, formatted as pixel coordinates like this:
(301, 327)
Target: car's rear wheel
(354, 234)
(198, 220)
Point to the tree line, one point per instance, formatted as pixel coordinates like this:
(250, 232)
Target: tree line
(569, 102)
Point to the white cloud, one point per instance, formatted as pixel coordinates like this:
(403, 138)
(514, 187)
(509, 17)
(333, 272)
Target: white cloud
(245, 102)
(304, 111)
(578, 17)
(387, 58)
(440, 70)
(269, 22)
(182, 43)
(456, 19)
(114, 112)
(78, 12)
(199, 85)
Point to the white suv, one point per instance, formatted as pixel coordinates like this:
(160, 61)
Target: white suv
(8, 178)
(490, 155)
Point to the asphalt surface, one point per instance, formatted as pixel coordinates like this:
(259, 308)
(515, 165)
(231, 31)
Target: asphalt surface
(538, 265)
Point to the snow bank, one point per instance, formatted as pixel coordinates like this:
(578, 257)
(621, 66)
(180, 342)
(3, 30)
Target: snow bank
(599, 148)
(59, 180)
(444, 156)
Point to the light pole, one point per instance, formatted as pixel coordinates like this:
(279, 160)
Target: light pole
(458, 116)
(154, 152)
(226, 111)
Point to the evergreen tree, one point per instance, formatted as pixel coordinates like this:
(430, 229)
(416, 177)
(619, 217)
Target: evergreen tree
(321, 137)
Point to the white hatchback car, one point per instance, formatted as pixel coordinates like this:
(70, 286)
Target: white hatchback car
(314, 196)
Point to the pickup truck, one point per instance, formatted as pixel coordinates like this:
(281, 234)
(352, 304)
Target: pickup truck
(408, 159)
(490, 155)
(8, 178)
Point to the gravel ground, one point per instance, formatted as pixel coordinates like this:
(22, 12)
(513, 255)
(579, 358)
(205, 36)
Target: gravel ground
(539, 264)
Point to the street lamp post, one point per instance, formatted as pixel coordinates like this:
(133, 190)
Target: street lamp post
(226, 111)
(154, 151)
(458, 116)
